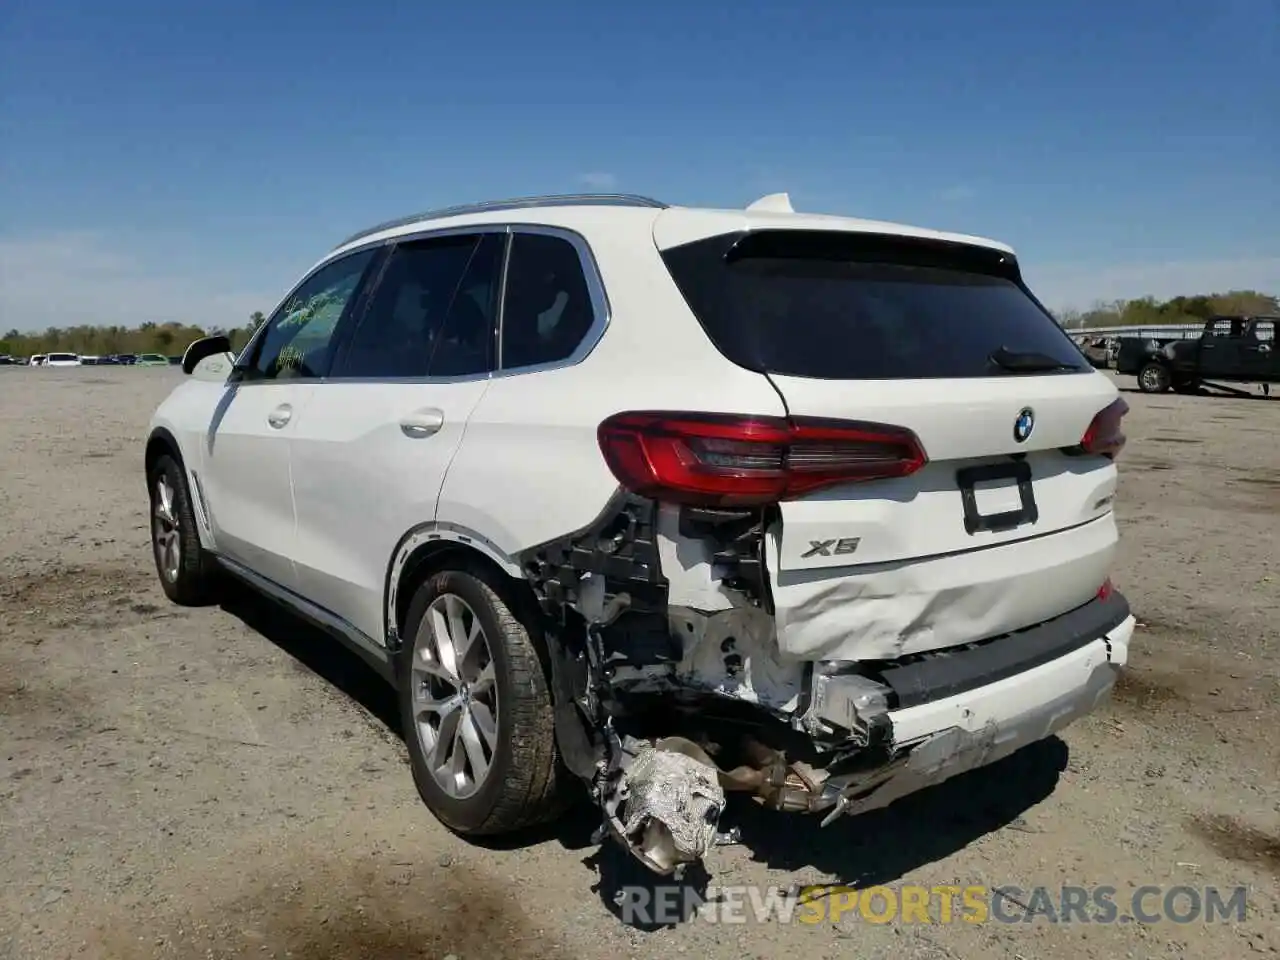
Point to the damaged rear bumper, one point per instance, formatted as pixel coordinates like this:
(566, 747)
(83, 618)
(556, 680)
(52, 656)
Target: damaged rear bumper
(888, 730)
(940, 739)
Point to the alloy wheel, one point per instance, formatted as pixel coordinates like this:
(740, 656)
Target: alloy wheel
(455, 696)
(165, 535)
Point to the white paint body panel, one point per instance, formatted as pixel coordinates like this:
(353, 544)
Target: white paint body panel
(884, 611)
(360, 484)
(975, 729)
(247, 478)
(918, 579)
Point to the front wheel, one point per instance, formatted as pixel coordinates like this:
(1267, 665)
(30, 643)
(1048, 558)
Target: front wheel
(187, 573)
(476, 708)
(1154, 378)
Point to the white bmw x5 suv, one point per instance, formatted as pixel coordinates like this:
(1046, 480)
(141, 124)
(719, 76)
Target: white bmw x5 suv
(678, 502)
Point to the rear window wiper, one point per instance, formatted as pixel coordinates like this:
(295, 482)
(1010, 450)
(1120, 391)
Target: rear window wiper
(1028, 362)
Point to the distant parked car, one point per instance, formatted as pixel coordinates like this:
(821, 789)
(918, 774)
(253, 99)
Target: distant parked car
(62, 360)
(37, 360)
(152, 360)
(1097, 351)
(1231, 349)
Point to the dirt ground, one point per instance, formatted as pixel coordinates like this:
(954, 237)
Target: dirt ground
(226, 782)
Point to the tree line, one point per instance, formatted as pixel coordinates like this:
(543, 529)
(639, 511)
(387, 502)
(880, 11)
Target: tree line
(1149, 312)
(170, 339)
(166, 339)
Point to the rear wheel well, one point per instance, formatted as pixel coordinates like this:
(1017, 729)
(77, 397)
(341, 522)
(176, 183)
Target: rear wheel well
(431, 558)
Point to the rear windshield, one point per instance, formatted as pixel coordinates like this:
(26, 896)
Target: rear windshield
(848, 306)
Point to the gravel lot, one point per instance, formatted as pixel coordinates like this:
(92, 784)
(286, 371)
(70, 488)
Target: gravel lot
(227, 782)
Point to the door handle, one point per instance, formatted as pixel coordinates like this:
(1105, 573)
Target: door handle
(422, 423)
(281, 415)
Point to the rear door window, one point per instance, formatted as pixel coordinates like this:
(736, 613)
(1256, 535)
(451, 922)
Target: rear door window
(433, 312)
(848, 306)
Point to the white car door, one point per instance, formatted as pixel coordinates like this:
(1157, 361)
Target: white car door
(370, 456)
(246, 451)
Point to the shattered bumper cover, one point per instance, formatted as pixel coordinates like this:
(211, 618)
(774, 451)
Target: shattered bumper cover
(995, 699)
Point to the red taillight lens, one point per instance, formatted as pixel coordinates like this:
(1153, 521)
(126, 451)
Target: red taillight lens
(725, 460)
(1104, 436)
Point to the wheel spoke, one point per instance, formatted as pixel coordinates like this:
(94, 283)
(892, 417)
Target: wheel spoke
(442, 645)
(467, 649)
(470, 738)
(459, 635)
(483, 684)
(440, 709)
(455, 768)
(449, 714)
(485, 725)
(433, 668)
(166, 499)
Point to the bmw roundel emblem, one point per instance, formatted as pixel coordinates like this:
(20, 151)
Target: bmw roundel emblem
(1024, 424)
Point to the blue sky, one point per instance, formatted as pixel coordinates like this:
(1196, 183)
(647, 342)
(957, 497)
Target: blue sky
(186, 161)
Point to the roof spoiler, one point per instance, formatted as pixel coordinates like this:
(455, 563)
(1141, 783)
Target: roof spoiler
(773, 203)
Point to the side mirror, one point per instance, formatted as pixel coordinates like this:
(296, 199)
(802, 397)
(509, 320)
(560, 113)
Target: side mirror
(216, 368)
(205, 347)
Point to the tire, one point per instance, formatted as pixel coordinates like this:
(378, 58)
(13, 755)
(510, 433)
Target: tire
(1154, 378)
(187, 572)
(521, 786)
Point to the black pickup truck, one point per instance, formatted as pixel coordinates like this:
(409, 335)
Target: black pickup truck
(1231, 349)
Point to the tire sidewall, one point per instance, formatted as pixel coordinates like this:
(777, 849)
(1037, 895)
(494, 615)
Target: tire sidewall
(471, 813)
(188, 578)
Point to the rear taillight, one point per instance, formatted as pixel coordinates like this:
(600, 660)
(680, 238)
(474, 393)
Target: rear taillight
(1104, 436)
(1105, 591)
(726, 460)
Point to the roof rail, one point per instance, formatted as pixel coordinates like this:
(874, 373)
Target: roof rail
(517, 203)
